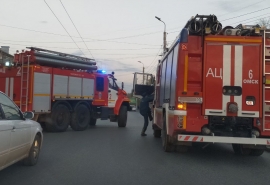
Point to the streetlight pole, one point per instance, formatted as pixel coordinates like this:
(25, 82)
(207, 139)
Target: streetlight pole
(143, 70)
(164, 35)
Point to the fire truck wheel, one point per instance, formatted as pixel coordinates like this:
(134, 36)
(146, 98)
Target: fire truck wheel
(92, 121)
(80, 118)
(59, 119)
(167, 146)
(239, 150)
(157, 133)
(256, 152)
(122, 117)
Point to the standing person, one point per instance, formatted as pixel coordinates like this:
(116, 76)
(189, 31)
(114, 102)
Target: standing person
(145, 110)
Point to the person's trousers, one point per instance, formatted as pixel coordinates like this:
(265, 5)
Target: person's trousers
(145, 117)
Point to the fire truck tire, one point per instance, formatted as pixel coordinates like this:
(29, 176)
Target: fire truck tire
(239, 150)
(80, 118)
(157, 133)
(256, 152)
(92, 121)
(59, 119)
(167, 146)
(122, 117)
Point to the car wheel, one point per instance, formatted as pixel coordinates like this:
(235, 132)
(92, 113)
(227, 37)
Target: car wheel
(33, 155)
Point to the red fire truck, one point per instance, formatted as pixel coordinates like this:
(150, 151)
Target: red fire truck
(213, 86)
(63, 90)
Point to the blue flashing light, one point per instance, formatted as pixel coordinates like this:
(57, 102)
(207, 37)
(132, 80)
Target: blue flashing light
(101, 71)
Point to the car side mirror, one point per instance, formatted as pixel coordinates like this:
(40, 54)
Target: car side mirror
(28, 115)
(122, 85)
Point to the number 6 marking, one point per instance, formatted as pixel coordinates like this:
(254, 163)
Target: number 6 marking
(250, 75)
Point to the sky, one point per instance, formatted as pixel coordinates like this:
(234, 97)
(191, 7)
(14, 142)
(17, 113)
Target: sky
(116, 33)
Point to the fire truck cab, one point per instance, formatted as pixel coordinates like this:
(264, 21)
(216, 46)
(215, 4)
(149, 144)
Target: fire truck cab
(63, 90)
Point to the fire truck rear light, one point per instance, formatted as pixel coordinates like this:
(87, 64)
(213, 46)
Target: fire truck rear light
(180, 122)
(190, 99)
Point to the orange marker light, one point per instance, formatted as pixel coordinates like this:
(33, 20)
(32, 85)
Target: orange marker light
(180, 106)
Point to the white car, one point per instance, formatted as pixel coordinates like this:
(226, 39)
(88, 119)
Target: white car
(20, 137)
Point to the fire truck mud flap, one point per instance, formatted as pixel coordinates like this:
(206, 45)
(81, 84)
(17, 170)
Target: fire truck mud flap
(104, 113)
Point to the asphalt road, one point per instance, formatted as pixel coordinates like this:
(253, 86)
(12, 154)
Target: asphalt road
(106, 154)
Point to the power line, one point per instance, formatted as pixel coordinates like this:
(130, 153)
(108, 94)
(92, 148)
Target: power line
(256, 19)
(242, 8)
(56, 34)
(239, 22)
(63, 27)
(152, 63)
(76, 28)
(245, 14)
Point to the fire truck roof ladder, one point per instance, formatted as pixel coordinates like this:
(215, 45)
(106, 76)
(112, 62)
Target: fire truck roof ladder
(24, 84)
(265, 88)
(59, 53)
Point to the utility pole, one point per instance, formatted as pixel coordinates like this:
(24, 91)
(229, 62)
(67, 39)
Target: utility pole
(164, 36)
(143, 70)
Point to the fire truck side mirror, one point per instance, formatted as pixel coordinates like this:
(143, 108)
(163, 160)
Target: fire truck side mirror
(122, 85)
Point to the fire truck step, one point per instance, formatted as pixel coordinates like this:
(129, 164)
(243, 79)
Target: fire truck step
(267, 87)
(267, 60)
(267, 32)
(266, 101)
(267, 46)
(267, 115)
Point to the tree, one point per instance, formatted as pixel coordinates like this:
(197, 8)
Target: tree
(264, 23)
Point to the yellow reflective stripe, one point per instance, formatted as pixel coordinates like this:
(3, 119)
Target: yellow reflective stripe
(41, 94)
(186, 73)
(233, 40)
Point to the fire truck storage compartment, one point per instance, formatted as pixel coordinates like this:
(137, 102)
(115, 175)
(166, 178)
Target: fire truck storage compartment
(72, 87)
(42, 92)
(60, 86)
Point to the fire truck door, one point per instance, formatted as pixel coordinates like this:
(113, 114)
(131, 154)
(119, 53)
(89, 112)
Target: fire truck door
(232, 80)
(112, 93)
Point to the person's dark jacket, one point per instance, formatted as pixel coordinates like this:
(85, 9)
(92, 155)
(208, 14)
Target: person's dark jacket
(144, 105)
